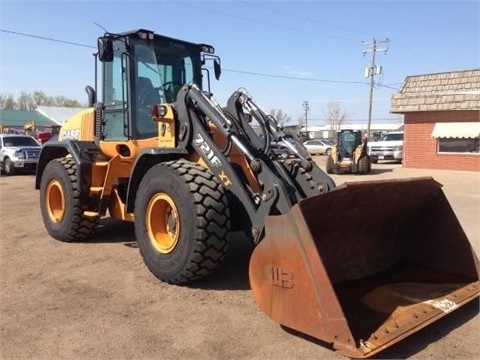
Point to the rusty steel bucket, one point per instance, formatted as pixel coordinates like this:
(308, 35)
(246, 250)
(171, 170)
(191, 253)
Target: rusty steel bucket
(365, 265)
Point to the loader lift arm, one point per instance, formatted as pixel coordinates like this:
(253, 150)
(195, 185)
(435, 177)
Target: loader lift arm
(281, 151)
(195, 109)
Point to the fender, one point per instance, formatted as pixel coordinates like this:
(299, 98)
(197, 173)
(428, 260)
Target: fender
(145, 160)
(82, 152)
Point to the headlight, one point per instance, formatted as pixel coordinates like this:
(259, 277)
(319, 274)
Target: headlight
(20, 154)
(398, 148)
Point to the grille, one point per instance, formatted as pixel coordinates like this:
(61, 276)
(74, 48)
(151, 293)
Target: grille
(382, 148)
(31, 154)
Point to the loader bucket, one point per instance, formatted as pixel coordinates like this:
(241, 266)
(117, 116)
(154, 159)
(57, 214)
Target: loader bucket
(365, 265)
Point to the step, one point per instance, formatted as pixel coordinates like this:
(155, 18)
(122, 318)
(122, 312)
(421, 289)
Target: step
(91, 213)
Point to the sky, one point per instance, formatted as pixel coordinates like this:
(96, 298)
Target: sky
(284, 53)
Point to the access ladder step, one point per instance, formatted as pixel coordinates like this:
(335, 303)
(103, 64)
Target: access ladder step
(91, 214)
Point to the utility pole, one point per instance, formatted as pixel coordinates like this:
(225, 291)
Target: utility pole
(373, 70)
(306, 107)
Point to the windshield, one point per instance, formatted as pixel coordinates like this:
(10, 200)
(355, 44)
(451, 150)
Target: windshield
(166, 66)
(393, 137)
(162, 67)
(19, 141)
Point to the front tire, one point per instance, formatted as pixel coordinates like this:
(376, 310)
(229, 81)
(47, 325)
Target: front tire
(62, 211)
(364, 165)
(8, 167)
(182, 221)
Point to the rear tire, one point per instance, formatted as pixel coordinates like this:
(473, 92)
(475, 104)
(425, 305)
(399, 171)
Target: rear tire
(182, 221)
(329, 164)
(62, 211)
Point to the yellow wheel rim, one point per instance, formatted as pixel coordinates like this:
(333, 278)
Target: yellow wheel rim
(163, 223)
(55, 201)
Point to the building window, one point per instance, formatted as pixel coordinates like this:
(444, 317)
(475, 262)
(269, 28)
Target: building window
(459, 145)
(457, 137)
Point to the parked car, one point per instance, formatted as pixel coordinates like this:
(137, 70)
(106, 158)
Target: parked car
(319, 146)
(49, 133)
(390, 147)
(18, 153)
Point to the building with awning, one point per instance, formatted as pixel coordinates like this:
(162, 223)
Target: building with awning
(441, 120)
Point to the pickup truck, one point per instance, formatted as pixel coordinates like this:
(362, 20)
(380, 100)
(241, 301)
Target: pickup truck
(390, 147)
(18, 152)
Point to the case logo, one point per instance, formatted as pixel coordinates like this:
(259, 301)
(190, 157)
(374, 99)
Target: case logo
(71, 134)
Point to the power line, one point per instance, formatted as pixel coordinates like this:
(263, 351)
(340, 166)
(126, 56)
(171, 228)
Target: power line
(223, 69)
(420, 55)
(261, 22)
(46, 38)
(294, 77)
(342, 29)
(306, 19)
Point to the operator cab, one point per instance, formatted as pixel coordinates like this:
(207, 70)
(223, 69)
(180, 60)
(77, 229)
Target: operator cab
(142, 69)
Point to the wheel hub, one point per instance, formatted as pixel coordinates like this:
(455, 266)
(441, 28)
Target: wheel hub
(55, 201)
(163, 223)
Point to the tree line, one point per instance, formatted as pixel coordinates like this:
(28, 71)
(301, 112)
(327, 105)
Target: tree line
(335, 116)
(30, 101)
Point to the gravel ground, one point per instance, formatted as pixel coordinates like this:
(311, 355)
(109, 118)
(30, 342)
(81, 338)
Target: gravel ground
(96, 299)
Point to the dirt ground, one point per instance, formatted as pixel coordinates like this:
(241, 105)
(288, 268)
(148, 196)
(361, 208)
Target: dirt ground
(96, 299)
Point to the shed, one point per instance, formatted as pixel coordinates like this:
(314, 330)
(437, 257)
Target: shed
(441, 120)
(17, 120)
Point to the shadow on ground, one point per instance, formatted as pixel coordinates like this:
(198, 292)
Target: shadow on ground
(415, 343)
(112, 230)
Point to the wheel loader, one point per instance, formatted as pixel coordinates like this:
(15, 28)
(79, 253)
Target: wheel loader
(360, 266)
(349, 154)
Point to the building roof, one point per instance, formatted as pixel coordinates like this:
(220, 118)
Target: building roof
(19, 118)
(41, 116)
(58, 114)
(455, 90)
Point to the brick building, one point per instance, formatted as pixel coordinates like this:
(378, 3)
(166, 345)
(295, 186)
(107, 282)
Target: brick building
(441, 120)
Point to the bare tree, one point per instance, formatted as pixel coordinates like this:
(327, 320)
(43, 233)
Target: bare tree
(7, 102)
(28, 101)
(281, 117)
(3, 98)
(63, 101)
(336, 116)
(301, 121)
(25, 102)
(41, 99)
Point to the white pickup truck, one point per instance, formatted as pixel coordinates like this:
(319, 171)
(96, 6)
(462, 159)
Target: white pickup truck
(390, 147)
(18, 153)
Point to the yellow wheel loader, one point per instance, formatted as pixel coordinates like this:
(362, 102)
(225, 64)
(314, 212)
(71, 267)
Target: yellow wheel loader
(349, 154)
(360, 266)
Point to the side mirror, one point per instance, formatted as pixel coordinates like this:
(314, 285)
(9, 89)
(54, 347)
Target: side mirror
(217, 69)
(105, 49)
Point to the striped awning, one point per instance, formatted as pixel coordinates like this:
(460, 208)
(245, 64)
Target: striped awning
(456, 130)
